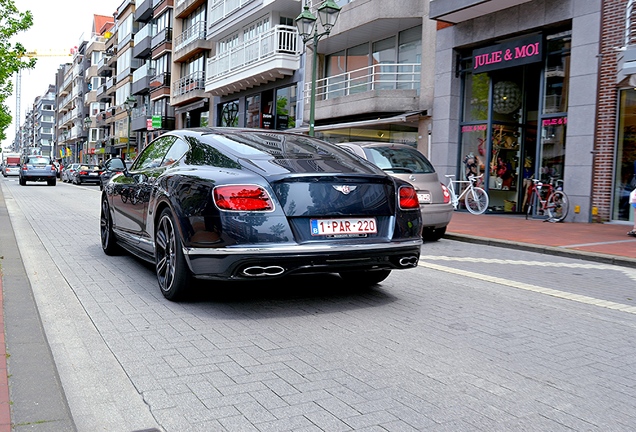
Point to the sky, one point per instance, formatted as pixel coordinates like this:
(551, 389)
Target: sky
(57, 25)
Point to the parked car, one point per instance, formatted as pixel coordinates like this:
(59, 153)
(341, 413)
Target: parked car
(11, 167)
(67, 172)
(112, 167)
(58, 168)
(86, 173)
(37, 168)
(407, 163)
(248, 204)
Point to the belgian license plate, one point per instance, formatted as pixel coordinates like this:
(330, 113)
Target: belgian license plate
(92, 174)
(343, 226)
(424, 197)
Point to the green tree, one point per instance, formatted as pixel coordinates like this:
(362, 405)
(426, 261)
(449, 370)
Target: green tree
(12, 59)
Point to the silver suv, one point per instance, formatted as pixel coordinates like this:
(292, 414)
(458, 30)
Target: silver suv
(38, 168)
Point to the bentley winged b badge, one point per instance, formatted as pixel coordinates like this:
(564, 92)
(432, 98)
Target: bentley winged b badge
(345, 189)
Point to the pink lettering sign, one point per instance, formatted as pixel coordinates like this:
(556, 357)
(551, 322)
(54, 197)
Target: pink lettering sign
(555, 121)
(474, 128)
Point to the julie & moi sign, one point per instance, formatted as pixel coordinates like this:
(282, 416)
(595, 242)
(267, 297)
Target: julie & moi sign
(508, 54)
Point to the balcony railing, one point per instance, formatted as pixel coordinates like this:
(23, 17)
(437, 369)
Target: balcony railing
(142, 72)
(194, 81)
(144, 32)
(162, 36)
(223, 8)
(191, 34)
(385, 76)
(279, 40)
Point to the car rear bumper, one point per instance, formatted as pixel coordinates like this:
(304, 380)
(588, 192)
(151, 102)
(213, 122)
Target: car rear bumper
(436, 215)
(244, 263)
(39, 177)
(89, 179)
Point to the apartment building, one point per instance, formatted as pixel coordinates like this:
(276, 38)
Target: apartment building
(44, 122)
(161, 116)
(252, 73)
(143, 48)
(124, 140)
(105, 94)
(374, 73)
(70, 107)
(191, 48)
(93, 151)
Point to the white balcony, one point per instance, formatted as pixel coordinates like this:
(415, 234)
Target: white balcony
(384, 76)
(189, 83)
(193, 33)
(273, 55)
(222, 8)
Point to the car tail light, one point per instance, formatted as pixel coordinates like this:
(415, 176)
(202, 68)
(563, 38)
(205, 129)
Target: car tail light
(24, 168)
(242, 198)
(446, 193)
(408, 198)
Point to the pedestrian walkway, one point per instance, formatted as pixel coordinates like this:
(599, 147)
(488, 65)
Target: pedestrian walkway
(602, 242)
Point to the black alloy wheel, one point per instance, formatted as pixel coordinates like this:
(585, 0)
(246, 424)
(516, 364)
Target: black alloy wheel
(109, 245)
(173, 273)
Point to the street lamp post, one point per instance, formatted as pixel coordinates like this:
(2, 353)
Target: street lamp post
(306, 24)
(129, 104)
(87, 125)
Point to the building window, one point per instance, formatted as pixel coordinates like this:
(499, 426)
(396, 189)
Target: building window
(253, 111)
(228, 114)
(286, 107)
(625, 171)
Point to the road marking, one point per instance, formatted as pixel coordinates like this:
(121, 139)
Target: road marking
(529, 287)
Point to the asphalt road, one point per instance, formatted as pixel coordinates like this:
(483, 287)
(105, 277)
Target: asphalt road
(476, 338)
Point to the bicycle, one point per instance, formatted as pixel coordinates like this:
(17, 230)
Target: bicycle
(475, 198)
(549, 199)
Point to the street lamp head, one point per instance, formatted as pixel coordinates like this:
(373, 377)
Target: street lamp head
(328, 13)
(87, 122)
(130, 103)
(305, 23)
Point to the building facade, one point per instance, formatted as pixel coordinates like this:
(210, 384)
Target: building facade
(516, 92)
(44, 122)
(375, 73)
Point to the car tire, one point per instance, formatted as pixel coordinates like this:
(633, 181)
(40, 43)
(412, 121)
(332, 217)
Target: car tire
(51, 182)
(365, 278)
(22, 182)
(433, 234)
(173, 274)
(109, 244)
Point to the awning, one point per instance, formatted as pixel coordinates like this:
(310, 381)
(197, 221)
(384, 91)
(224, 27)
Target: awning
(401, 118)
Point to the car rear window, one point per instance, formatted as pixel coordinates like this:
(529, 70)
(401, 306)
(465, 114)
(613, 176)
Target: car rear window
(402, 159)
(39, 160)
(88, 168)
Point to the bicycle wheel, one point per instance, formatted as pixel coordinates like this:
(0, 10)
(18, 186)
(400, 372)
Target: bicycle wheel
(476, 200)
(558, 206)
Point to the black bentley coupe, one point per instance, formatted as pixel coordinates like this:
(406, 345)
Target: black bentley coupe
(241, 204)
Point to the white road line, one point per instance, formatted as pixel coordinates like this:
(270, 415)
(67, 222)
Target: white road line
(529, 287)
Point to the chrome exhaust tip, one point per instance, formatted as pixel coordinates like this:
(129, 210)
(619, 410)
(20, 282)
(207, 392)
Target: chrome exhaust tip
(256, 271)
(408, 261)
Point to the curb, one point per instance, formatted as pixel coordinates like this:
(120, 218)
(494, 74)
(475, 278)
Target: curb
(547, 250)
(5, 405)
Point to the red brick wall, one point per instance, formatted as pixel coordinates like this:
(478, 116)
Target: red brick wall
(612, 36)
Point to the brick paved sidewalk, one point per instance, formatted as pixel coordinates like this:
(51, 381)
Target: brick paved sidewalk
(595, 241)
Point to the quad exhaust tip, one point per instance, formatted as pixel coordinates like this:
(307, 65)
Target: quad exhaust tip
(256, 271)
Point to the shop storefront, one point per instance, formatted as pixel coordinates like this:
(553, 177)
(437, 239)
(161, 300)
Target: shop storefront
(273, 108)
(625, 173)
(514, 115)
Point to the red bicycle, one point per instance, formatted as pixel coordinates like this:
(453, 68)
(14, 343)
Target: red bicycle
(547, 200)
